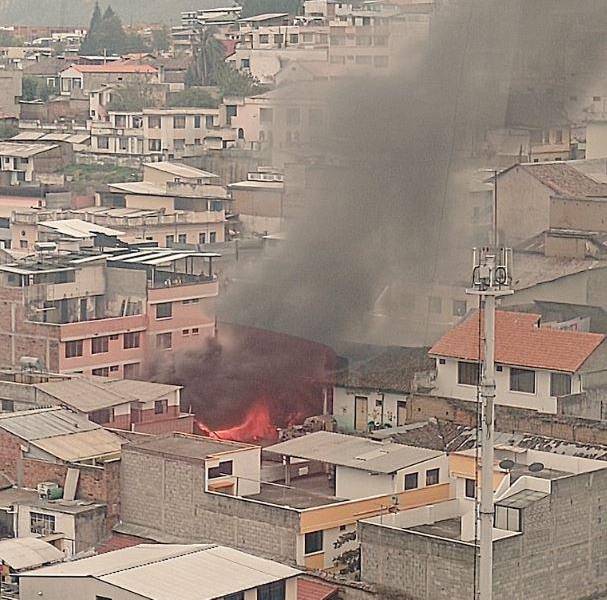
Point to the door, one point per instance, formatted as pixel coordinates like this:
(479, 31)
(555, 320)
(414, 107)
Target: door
(361, 414)
(401, 412)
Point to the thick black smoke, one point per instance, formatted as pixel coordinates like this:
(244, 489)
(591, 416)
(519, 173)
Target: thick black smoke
(386, 203)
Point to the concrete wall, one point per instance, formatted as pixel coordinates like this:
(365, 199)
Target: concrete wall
(344, 406)
(167, 494)
(356, 483)
(596, 139)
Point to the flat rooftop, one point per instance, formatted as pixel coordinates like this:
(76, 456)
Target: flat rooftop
(190, 446)
(449, 528)
(293, 497)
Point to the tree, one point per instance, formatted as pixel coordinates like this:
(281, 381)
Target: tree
(130, 98)
(161, 39)
(232, 82)
(105, 34)
(34, 89)
(193, 97)
(90, 43)
(209, 54)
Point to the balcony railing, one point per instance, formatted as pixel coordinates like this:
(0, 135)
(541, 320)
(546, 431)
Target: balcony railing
(168, 279)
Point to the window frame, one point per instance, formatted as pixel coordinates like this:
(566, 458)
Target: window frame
(225, 468)
(79, 345)
(164, 336)
(316, 542)
(408, 478)
(553, 384)
(431, 473)
(466, 364)
(127, 344)
(104, 340)
(516, 372)
(160, 317)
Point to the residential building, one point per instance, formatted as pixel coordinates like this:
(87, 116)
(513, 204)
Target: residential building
(77, 458)
(176, 205)
(82, 79)
(10, 92)
(537, 367)
(139, 406)
(28, 163)
(259, 201)
(121, 134)
(153, 571)
(372, 393)
(546, 531)
(300, 506)
(109, 314)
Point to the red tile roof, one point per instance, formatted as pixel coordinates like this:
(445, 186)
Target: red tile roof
(120, 541)
(519, 341)
(565, 180)
(117, 67)
(308, 589)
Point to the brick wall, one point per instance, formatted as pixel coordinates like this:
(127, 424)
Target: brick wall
(509, 419)
(560, 555)
(167, 495)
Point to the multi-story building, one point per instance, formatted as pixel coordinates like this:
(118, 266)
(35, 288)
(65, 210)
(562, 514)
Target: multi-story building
(111, 313)
(27, 163)
(176, 205)
(121, 134)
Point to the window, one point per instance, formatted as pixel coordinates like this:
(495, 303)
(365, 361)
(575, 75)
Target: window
(507, 517)
(596, 98)
(236, 596)
(522, 380)
(560, 384)
(279, 38)
(185, 332)
(154, 145)
(164, 310)
(131, 340)
(114, 368)
(179, 144)
(154, 122)
(293, 38)
(73, 349)
(42, 524)
(411, 481)
(272, 591)
(8, 405)
(23, 244)
(169, 239)
(435, 305)
(160, 407)
(123, 143)
(103, 142)
(432, 476)
(245, 63)
(264, 38)
(182, 238)
(101, 372)
(313, 542)
(197, 121)
(468, 373)
(231, 110)
(164, 341)
(470, 488)
(224, 468)
(208, 121)
(195, 331)
(212, 237)
(115, 336)
(459, 308)
(202, 238)
(131, 370)
(99, 345)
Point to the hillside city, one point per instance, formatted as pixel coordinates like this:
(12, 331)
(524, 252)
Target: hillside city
(302, 300)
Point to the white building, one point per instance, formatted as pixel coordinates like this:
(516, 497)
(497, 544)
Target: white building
(535, 365)
(164, 572)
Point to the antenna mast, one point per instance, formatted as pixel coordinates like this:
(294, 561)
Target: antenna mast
(490, 279)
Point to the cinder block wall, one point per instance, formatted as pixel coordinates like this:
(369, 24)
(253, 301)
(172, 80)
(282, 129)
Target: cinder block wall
(167, 494)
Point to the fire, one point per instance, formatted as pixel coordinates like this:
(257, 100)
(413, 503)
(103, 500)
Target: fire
(256, 427)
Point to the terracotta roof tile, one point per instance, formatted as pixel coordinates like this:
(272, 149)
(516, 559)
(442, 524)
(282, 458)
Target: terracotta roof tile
(117, 67)
(307, 589)
(565, 180)
(519, 341)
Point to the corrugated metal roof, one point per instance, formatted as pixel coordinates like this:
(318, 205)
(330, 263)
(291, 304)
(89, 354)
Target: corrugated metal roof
(180, 170)
(28, 553)
(44, 423)
(140, 390)
(83, 395)
(76, 447)
(354, 452)
(156, 571)
(77, 228)
(23, 150)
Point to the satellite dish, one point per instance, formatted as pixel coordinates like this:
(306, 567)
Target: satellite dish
(536, 467)
(506, 464)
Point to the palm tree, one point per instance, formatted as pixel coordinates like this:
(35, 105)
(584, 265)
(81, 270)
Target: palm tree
(208, 56)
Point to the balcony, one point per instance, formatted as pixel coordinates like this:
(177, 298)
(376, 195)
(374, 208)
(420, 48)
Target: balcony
(167, 286)
(105, 326)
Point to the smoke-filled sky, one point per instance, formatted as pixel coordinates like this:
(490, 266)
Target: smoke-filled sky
(404, 142)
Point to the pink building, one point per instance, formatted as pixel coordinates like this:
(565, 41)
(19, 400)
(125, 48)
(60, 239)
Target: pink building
(112, 313)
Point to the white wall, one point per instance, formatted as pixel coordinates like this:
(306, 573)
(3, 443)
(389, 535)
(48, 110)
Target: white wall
(64, 524)
(447, 386)
(357, 483)
(246, 468)
(441, 463)
(596, 139)
(343, 407)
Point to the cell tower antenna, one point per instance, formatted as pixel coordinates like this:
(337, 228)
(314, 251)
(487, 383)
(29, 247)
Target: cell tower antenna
(490, 280)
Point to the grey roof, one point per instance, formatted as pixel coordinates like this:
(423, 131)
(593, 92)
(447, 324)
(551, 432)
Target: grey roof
(354, 452)
(139, 390)
(522, 499)
(158, 571)
(28, 553)
(77, 228)
(189, 446)
(23, 150)
(180, 170)
(62, 433)
(83, 395)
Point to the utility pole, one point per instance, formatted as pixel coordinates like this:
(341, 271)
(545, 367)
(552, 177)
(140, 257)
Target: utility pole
(490, 279)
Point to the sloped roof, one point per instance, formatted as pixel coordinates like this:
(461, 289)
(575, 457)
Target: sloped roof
(519, 341)
(28, 553)
(308, 589)
(354, 452)
(83, 395)
(156, 571)
(391, 370)
(117, 67)
(139, 390)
